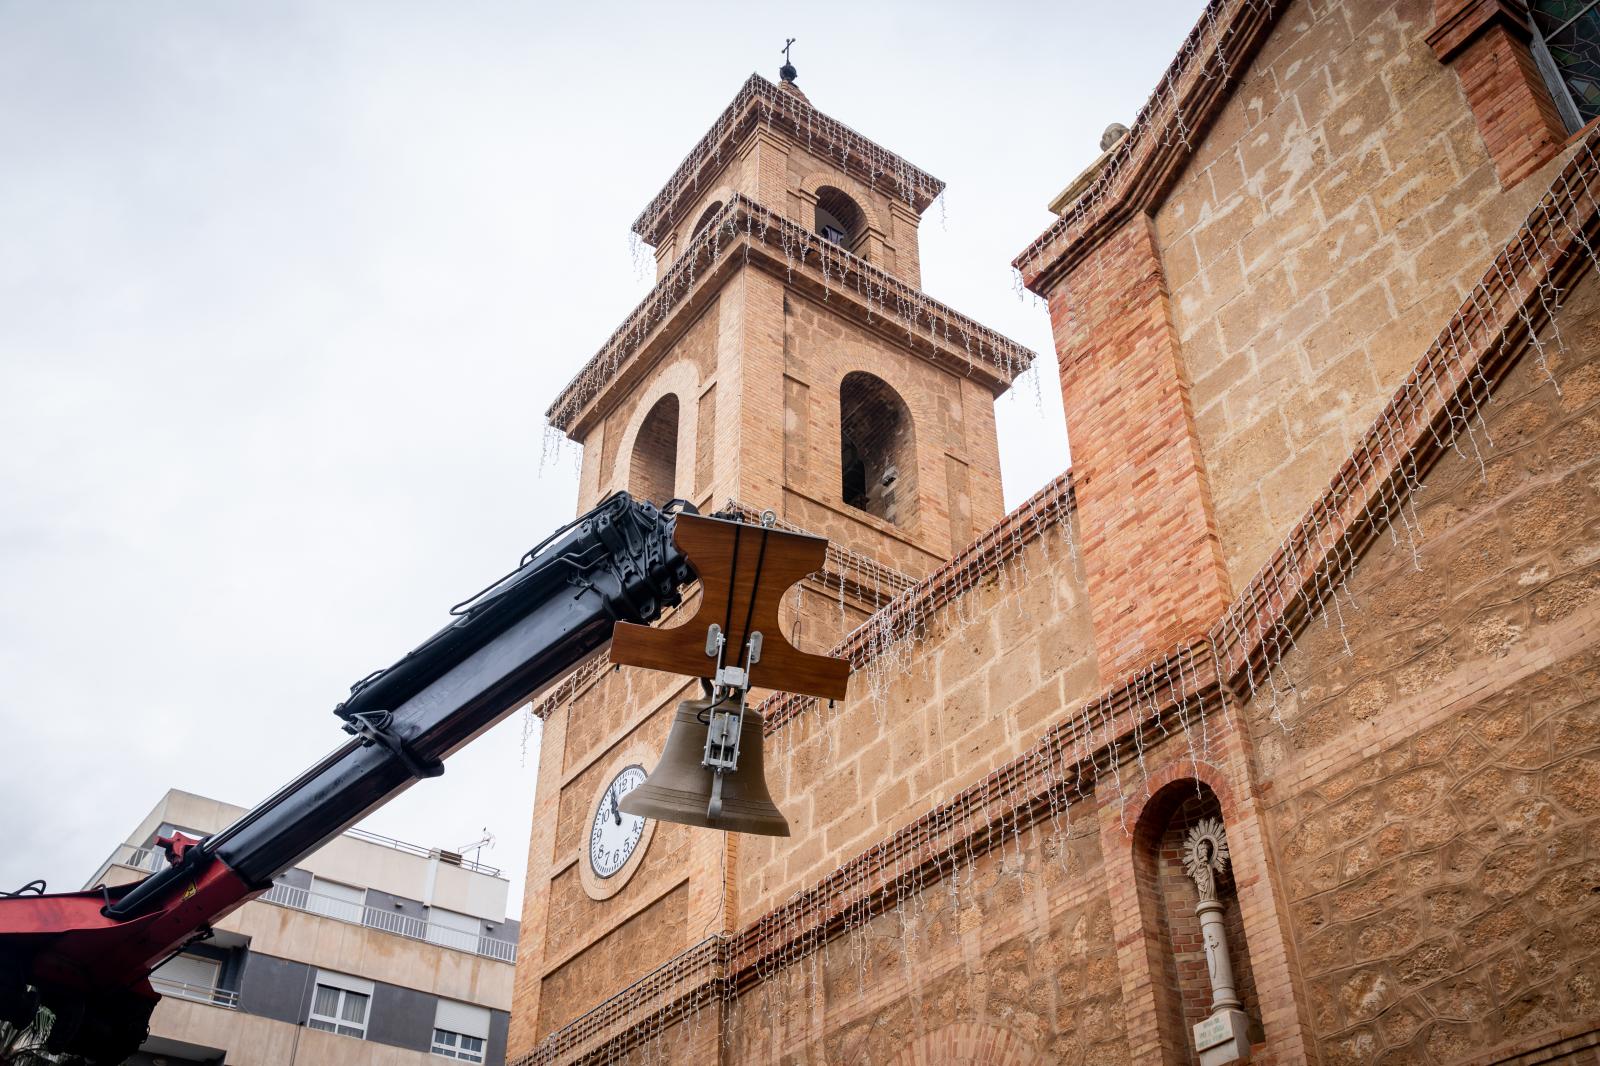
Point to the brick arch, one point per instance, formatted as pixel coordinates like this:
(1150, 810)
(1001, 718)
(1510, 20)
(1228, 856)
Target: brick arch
(682, 380)
(853, 359)
(1178, 796)
(721, 194)
(850, 187)
(968, 1044)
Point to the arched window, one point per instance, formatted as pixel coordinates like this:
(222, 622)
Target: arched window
(653, 469)
(1566, 48)
(878, 449)
(838, 218)
(706, 216)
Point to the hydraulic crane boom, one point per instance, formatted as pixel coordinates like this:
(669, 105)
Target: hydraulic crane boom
(87, 956)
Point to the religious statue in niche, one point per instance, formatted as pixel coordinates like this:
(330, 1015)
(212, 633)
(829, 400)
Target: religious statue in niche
(1224, 1035)
(1205, 857)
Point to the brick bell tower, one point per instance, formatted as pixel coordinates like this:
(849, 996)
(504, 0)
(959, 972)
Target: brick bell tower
(786, 359)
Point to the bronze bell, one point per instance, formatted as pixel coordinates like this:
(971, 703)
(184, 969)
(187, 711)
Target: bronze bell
(679, 788)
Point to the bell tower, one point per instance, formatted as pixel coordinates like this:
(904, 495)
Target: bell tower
(786, 360)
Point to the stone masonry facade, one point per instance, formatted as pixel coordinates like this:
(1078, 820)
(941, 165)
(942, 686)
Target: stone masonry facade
(1326, 569)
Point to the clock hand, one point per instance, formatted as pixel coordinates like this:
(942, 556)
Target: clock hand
(615, 812)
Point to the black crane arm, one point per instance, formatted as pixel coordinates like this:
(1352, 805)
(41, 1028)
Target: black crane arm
(88, 955)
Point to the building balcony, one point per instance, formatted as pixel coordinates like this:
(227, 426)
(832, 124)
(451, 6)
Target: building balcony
(389, 922)
(227, 999)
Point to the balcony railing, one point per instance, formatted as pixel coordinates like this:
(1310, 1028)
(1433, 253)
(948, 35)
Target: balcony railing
(148, 859)
(390, 922)
(217, 997)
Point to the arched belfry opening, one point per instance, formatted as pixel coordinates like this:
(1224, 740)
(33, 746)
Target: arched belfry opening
(653, 468)
(839, 219)
(706, 216)
(1180, 829)
(878, 449)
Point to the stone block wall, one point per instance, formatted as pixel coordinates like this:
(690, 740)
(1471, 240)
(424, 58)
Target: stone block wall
(953, 426)
(1327, 225)
(998, 668)
(1014, 962)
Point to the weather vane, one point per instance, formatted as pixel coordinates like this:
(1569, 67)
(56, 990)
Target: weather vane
(787, 71)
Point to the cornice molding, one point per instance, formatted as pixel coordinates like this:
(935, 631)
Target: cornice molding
(1467, 21)
(762, 106)
(743, 232)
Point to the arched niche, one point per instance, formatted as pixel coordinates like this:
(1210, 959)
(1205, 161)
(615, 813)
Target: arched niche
(653, 461)
(1167, 902)
(839, 218)
(877, 449)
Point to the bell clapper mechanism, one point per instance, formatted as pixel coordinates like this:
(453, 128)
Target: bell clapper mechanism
(86, 957)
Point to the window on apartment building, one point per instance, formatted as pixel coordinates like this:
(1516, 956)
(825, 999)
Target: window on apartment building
(340, 1004)
(344, 902)
(1566, 46)
(878, 449)
(838, 218)
(460, 1031)
(653, 470)
(452, 929)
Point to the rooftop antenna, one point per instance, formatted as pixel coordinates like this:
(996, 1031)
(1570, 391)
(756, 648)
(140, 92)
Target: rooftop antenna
(477, 846)
(787, 71)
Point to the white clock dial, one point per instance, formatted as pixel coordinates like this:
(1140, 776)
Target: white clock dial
(614, 835)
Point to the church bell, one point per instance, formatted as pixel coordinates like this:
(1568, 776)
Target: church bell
(680, 787)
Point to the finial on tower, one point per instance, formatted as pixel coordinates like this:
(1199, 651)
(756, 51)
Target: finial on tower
(787, 71)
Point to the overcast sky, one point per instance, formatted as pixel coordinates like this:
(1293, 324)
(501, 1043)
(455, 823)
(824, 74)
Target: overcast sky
(285, 288)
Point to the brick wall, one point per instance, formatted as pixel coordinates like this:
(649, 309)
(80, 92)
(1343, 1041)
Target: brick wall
(1141, 489)
(1486, 41)
(1324, 229)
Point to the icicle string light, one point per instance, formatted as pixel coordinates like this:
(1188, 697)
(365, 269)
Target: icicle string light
(1377, 488)
(1373, 492)
(759, 102)
(745, 229)
(987, 816)
(882, 647)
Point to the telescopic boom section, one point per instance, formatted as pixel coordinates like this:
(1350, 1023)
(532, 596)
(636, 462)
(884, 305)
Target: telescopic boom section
(87, 956)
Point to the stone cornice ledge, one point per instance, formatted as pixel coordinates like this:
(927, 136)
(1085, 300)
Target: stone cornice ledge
(743, 232)
(1462, 26)
(758, 104)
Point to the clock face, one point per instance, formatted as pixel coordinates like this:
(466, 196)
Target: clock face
(614, 836)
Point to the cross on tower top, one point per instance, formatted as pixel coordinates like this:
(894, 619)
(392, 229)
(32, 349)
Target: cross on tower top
(787, 71)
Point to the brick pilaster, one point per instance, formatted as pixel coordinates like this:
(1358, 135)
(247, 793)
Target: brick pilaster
(1151, 555)
(1486, 43)
(526, 983)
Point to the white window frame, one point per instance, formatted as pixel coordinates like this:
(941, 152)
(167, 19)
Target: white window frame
(334, 905)
(345, 986)
(447, 1043)
(456, 1023)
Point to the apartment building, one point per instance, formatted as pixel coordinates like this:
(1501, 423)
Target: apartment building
(372, 950)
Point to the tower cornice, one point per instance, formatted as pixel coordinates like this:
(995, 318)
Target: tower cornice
(761, 103)
(744, 233)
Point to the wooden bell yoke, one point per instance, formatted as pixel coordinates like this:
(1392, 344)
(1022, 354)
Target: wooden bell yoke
(744, 572)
